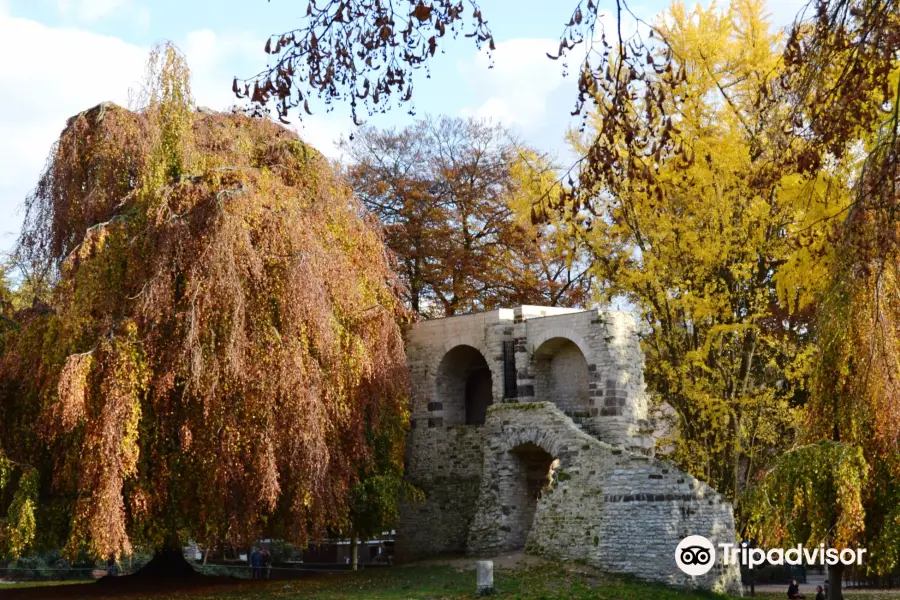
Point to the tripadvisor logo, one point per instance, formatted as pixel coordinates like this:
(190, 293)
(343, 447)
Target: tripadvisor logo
(696, 555)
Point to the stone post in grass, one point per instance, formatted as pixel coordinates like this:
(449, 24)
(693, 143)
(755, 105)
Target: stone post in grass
(485, 577)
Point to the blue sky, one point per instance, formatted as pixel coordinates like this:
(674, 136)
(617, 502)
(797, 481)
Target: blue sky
(62, 56)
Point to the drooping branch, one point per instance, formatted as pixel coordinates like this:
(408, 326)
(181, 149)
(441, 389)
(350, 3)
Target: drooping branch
(361, 51)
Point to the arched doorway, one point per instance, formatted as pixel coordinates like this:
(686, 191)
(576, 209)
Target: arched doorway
(561, 375)
(532, 476)
(464, 386)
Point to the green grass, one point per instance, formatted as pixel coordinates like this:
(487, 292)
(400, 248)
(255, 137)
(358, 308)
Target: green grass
(32, 584)
(546, 582)
(849, 594)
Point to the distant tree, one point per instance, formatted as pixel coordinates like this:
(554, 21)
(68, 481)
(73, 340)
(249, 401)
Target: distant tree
(445, 191)
(220, 345)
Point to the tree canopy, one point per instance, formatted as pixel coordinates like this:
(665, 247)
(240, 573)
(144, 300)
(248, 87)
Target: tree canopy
(221, 340)
(447, 191)
(720, 253)
(844, 72)
(711, 140)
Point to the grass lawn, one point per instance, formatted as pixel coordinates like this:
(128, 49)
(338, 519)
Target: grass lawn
(33, 584)
(543, 582)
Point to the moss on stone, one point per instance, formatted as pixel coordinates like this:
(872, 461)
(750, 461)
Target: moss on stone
(495, 408)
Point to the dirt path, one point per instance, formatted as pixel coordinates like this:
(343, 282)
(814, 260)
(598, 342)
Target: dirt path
(514, 561)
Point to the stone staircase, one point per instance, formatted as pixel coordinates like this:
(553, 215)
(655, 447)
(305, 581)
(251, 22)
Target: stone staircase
(640, 434)
(607, 507)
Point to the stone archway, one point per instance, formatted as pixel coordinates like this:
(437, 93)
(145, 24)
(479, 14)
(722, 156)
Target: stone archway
(561, 375)
(530, 476)
(518, 476)
(464, 386)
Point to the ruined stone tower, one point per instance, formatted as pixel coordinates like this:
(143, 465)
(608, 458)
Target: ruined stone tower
(530, 431)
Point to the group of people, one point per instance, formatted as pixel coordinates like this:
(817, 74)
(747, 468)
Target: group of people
(793, 592)
(261, 563)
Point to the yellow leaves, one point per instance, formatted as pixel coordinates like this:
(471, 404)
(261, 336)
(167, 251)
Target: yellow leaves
(820, 204)
(727, 53)
(812, 495)
(718, 252)
(125, 382)
(21, 526)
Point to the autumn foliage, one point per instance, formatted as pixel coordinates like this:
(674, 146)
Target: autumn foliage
(448, 192)
(221, 341)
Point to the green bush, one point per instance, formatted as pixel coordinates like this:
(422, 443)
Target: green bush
(282, 552)
(237, 571)
(50, 565)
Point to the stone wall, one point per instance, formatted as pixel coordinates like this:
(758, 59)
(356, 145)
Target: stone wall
(562, 376)
(445, 463)
(546, 340)
(617, 510)
(530, 476)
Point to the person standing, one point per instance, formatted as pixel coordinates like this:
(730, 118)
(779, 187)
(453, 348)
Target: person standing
(266, 563)
(112, 566)
(793, 592)
(256, 563)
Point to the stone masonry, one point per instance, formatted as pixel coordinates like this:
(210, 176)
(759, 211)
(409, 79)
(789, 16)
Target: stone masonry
(530, 431)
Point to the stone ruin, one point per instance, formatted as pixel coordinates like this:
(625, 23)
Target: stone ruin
(530, 432)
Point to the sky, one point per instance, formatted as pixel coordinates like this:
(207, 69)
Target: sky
(59, 57)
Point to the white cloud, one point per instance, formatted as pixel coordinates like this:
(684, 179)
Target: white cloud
(517, 87)
(324, 132)
(68, 71)
(91, 10)
(208, 54)
(73, 69)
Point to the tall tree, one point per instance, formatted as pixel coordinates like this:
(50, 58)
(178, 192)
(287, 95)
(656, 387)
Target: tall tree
(221, 338)
(445, 190)
(700, 238)
(844, 74)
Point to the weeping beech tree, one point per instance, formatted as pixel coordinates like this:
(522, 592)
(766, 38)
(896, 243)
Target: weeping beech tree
(221, 341)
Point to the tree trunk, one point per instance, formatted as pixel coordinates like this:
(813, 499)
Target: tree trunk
(835, 575)
(168, 562)
(736, 460)
(354, 551)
